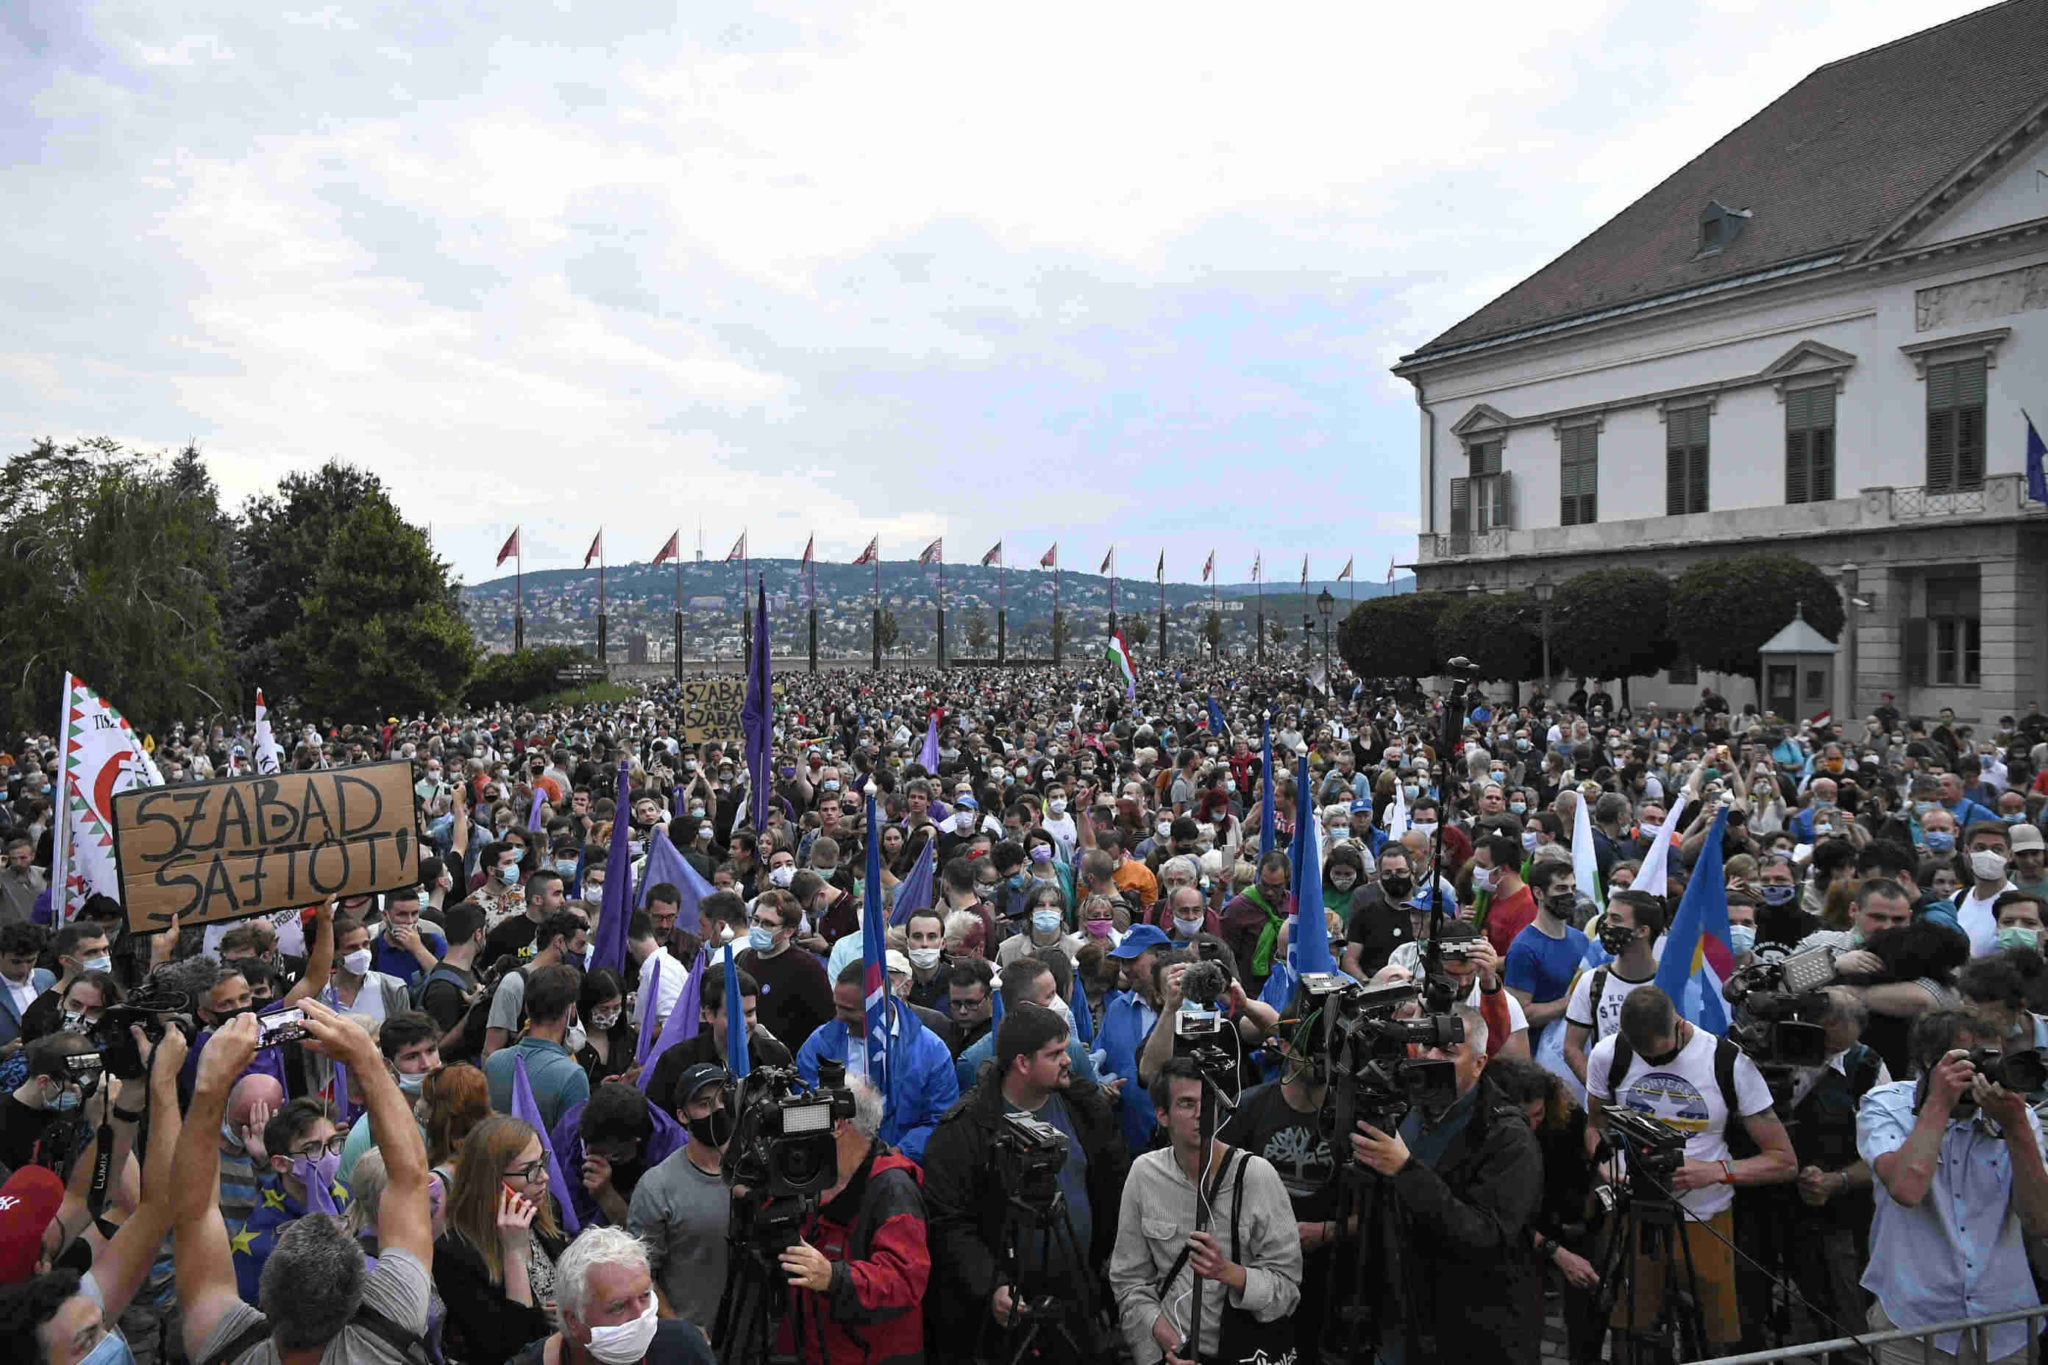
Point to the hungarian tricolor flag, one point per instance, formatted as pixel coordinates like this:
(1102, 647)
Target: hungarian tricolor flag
(668, 551)
(1161, 571)
(1051, 558)
(511, 546)
(867, 556)
(738, 550)
(596, 550)
(1108, 560)
(1347, 569)
(1119, 658)
(1258, 566)
(809, 546)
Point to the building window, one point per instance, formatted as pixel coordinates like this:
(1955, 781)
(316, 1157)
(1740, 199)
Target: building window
(1954, 632)
(1579, 476)
(1483, 500)
(1685, 461)
(1810, 444)
(1955, 426)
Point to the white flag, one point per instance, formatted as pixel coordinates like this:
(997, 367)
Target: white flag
(101, 756)
(1652, 877)
(269, 758)
(1397, 814)
(1585, 862)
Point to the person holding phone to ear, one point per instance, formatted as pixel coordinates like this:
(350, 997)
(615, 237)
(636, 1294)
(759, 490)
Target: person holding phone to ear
(495, 1265)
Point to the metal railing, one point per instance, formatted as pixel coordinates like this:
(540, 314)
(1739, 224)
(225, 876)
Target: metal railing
(1932, 502)
(1978, 1329)
(1459, 544)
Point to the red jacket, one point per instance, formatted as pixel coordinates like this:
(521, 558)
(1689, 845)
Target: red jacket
(873, 1232)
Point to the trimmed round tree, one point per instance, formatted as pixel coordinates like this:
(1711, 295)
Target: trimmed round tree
(1723, 610)
(1393, 636)
(1498, 634)
(1613, 623)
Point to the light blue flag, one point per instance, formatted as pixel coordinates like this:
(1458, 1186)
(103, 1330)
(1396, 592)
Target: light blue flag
(1698, 956)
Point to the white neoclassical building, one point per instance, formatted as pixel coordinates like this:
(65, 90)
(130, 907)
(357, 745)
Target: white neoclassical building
(1816, 337)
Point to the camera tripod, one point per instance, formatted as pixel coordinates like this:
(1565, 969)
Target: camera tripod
(744, 1332)
(1038, 1295)
(1654, 1223)
(1377, 1295)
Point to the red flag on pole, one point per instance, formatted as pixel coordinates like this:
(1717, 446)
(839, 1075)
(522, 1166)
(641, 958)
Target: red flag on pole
(809, 546)
(934, 553)
(596, 550)
(1209, 566)
(511, 546)
(668, 551)
(994, 556)
(1347, 570)
(739, 549)
(1108, 560)
(1051, 559)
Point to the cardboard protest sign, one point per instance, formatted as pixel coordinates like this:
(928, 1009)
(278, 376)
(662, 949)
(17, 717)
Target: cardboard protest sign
(212, 851)
(711, 709)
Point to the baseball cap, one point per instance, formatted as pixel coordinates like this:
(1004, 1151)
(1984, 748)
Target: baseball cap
(896, 962)
(2024, 836)
(694, 1078)
(1137, 939)
(28, 1201)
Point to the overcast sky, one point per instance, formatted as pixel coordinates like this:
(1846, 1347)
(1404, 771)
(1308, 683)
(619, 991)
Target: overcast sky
(1088, 271)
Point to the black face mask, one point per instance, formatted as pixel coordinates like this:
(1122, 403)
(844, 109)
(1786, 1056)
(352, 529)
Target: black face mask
(1397, 888)
(1563, 904)
(1615, 938)
(715, 1128)
(1664, 1058)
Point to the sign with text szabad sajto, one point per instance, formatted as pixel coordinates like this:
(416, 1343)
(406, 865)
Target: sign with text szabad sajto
(211, 851)
(711, 709)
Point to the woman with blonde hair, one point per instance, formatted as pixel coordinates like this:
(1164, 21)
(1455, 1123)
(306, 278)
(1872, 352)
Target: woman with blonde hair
(495, 1265)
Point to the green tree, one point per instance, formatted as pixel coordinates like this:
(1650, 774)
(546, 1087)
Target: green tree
(381, 630)
(1496, 633)
(280, 546)
(890, 631)
(1723, 610)
(977, 630)
(1394, 636)
(1062, 633)
(113, 569)
(1138, 631)
(523, 675)
(1276, 631)
(1613, 623)
(1212, 632)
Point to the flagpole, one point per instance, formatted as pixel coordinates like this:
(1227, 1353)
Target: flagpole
(1259, 577)
(941, 621)
(519, 590)
(1162, 606)
(678, 562)
(601, 650)
(1215, 607)
(746, 594)
(60, 841)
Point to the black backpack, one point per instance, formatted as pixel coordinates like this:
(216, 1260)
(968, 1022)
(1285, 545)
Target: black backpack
(477, 1020)
(1725, 1053)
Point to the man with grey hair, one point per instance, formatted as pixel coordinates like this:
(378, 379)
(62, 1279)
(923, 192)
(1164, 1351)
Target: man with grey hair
(606, 1308)
(316, 1293)
(861, 1264)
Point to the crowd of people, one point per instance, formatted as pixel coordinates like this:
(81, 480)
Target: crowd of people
(467, 1151)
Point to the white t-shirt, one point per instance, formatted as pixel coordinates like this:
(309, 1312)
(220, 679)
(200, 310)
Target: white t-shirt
(1684, 1094)
(1979, 921)
(1579, 1009)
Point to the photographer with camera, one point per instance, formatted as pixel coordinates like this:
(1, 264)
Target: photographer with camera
(973, 1214)
(1696, 1084)
(1957, 1156)
(50, 1092)
(1249, 1258)
(1467, 1177)
(1200, 980)
(860, 1267)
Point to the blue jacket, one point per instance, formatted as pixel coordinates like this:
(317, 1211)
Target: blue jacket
(921, 1084)
(1968, 813)
(10, 1018)
(667, 1138)
(1121, 1038)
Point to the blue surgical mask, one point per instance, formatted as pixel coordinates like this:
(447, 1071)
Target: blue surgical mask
(412, 1082)
(111, 1349)
(1742, 938)
(103, 963)
(1045, 921)
(230, 1136)
(2015, 936)
(66, 1099)
(1941, 840)
(761, 940)
(1519, 807)
(566, 867)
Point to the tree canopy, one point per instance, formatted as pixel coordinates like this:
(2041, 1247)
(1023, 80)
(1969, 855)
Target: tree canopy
(1394, 636)
(1613, 623)
(1723, 610)
(1498, 634)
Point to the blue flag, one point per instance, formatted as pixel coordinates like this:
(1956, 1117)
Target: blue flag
(738, 1060)
(524, 1108)
(1217, 725)
(666, 863)
(1084, 1021)
(757, 717)
(682, 1020)
(1266, 791)
(1310, 944)
(1698, 955)
(914, 892)
(2037, 462)
(874, 950)
(928, 757)
(650, 991)
(608, 944)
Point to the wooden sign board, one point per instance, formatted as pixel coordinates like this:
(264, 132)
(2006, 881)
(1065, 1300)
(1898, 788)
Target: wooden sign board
(212, 851)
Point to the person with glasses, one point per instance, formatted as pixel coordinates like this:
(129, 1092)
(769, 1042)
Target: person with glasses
(302, 1167)
(796, 998)
(495, 1265)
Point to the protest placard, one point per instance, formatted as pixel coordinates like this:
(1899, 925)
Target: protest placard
(211, 851)
(710, 709)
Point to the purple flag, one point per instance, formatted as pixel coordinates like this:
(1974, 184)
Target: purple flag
(523, 1107)
(928, 757)
(609, 942)
(682, 1022)
(533, 813)
(915, 891)
(651, 989)
(666, 863)
(341, 1114)
(757, 717)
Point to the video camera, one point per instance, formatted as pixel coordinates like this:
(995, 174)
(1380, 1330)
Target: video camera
(1028, 1157)
(155, 1011)
(1781, 1007)
(1200, 1027)
(1363, 1046)
(782, 1145)
(1653, 1149)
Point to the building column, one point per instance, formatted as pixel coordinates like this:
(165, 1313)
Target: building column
(2007, 606)
(1880, 638)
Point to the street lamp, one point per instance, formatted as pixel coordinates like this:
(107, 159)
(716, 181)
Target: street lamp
(1325, 605)
(1545, 591)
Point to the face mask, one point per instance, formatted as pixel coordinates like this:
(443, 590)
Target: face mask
(1940, 840)
(1098, 928)
(1483, 878)
(102, 963)
(2014, 817)
(1742, 938)
(1045, 921)
(1519, 807)
(1396, 887)
(1344, 880)
(412, 1082)
(518, 857)
(230, 1136)
(1777, 893)
(357, 962)
(605, 1023)
(319, 1172)
(713, 1130)
(1189, 927)
(761, 940)
(1063, 1010)
(1425, 830)
(1166, 829)
(1023, 774)
(111, 1349)
(924, 959)
(566, 868)
(1410, 791)
(627, 1342)
(1230, 784)
(963, 821)
(1058, 805)
(1615, 938)
(2013, 936)
(782, 876)
(1562, 904)
(1988, 865)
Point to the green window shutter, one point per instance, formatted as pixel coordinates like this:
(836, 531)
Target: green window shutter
(1798, 463)
(1461, 506)
(1970, 396)
(1504, 500)
(1820, 478)
(1916, 652)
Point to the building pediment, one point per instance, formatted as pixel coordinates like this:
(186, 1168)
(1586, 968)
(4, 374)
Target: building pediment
(1483, 418)
(1806, 364)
